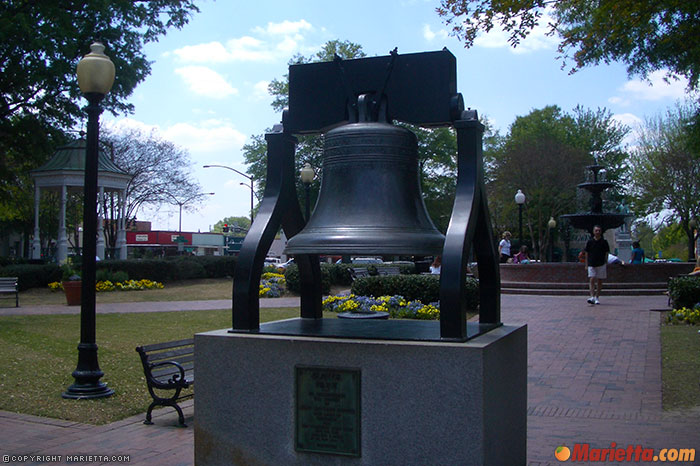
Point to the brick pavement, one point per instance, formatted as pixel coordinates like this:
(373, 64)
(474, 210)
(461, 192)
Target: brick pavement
(594, 376)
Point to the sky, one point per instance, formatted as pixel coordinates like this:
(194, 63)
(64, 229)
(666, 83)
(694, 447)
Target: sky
(207, 91)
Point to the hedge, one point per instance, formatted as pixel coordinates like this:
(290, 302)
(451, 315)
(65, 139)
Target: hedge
(32, 275)
(291, 276)
(424, 288)
(684, 291)
(179, 268)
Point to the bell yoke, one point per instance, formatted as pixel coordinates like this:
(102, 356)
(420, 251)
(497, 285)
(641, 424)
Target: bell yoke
(370, 202)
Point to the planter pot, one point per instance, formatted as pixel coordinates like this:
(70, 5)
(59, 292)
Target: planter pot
(73, 292)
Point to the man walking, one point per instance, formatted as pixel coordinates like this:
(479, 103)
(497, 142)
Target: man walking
(596, 252)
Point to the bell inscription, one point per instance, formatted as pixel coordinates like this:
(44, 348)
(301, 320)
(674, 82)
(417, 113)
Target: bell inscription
(328, 410)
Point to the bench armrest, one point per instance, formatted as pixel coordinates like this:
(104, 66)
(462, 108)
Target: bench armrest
(176, 380)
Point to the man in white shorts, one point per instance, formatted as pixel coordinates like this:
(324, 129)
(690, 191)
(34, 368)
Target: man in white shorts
(596, 255)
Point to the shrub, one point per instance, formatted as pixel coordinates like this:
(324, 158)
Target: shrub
(106, 275)
(684, 291)
(423, 288)
(291, 275)
(32, 275)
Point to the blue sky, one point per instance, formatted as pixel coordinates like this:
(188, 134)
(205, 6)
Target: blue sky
(207, 90)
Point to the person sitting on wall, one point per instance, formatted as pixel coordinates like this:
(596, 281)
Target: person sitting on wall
(696, 270)
(637, 254)
(522, 257)
(613, 259)
(436, 266)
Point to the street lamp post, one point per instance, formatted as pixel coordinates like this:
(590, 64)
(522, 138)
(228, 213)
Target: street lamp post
(520, 200)
(307, 175)
(551, 224)
(251, 186)
(692, 224)
(180, 203)
(95, 78)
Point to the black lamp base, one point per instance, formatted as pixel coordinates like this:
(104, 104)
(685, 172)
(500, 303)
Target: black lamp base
(87, 391)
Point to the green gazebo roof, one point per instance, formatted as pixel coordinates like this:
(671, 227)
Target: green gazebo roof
(72, 157)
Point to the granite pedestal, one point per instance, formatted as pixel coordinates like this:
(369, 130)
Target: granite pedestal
(420, 402)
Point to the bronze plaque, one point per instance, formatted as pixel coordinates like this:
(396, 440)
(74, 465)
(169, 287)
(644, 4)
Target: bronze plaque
(328, 410)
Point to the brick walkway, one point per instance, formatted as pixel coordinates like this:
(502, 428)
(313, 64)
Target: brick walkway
(594, 376)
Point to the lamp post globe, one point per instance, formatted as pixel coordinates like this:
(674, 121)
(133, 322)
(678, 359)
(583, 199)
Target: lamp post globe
(520, 200)
(95, 78)
(307, 175)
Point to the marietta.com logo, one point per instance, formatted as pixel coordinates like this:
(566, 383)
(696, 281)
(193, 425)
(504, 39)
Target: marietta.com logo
(633, 453)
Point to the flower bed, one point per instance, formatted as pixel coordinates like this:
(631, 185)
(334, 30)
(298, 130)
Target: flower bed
(126, 285)
(271, 285)
(685, 315)
(397, 306)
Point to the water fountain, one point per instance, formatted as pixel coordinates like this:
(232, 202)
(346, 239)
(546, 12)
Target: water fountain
(596, 216)
(570, 277)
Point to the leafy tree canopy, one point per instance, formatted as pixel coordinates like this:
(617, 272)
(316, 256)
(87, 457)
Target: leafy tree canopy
(666, 169)
(645, 35)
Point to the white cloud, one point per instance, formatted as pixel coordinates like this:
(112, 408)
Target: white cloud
(537, 39)
(260, 89)
(244, 48)
(205, 81)
(286, 27)
(205, 136)
(429, 35)
(628, 119)
(656, 87)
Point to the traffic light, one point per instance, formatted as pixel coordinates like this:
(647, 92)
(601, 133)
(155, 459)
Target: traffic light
(225, 227)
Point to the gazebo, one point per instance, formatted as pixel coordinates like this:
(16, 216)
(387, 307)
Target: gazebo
(66, 171)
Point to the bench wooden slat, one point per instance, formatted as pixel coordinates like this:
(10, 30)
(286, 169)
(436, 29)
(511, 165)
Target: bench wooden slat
(168, 355)
(166, 345)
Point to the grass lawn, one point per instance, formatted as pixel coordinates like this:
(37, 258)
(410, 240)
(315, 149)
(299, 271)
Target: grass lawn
(39, 353)
(680, 362)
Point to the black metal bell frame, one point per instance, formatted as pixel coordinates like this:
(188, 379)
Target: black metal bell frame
(419, 89)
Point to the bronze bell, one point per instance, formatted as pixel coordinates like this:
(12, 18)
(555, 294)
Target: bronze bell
(370, 200)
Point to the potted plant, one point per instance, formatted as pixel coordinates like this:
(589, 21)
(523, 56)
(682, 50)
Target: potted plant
(72, 283)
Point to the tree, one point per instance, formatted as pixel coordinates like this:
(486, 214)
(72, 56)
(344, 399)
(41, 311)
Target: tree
(160, 170)
(41, 43)
(240, 222)
(666, 170)
(645, 35)
(544, 154)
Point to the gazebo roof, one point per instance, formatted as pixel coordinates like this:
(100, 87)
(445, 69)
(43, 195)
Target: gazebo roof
(72, 157)
(67, 167)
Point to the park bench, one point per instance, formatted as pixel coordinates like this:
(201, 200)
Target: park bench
(388, 271)
(9, 285)
(359, 272)
(168, 366)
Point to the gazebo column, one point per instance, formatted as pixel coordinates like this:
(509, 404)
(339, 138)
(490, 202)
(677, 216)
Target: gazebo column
(100, 246)
(121, 226)
(62, 246)
(36, 241)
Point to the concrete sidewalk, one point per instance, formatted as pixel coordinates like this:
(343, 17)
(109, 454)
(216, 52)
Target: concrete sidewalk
(594, 377)
(144, 306)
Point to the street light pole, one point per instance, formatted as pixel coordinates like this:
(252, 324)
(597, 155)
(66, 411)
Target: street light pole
(551, 224)
(250, 178)
(180, 203)
(95, 78)
(520, 200)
